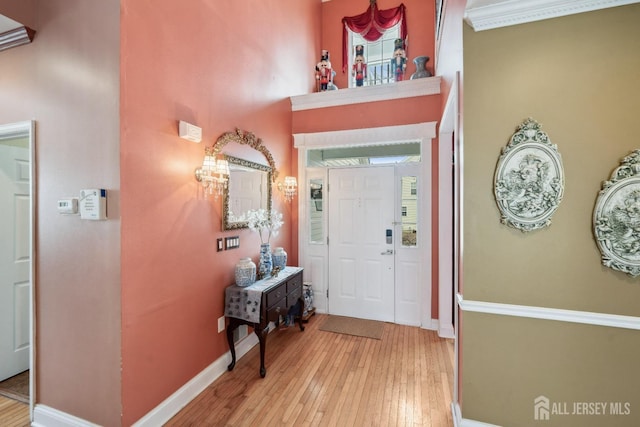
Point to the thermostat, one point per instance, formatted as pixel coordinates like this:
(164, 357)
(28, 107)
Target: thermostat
(68, 205)
(93, 204)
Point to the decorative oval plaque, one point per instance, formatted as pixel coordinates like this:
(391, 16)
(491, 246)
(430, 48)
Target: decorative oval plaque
(529, 179)
(616, 217)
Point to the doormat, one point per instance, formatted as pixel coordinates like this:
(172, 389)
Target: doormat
(16, 387)
(352, 326)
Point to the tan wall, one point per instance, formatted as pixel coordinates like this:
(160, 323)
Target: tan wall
(578, 77)
(510, 361)
(67, 80)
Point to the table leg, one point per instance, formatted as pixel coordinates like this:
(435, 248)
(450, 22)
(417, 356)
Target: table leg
(262, 337)
(300, 312)
(232, 347)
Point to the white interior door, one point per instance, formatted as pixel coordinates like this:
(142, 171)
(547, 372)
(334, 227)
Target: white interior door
(361, 259)
(15, 259)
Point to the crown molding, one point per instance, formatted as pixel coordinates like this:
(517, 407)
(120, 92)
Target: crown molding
(513, 12)
(16, 37)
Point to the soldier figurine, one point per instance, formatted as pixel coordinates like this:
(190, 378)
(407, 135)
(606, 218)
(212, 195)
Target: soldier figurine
(324, 74)
(359, 69)
(399, 60)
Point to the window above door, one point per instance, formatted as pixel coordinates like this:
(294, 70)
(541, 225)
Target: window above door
(364, 155)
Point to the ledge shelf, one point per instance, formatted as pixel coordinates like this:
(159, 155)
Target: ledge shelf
(358, 95)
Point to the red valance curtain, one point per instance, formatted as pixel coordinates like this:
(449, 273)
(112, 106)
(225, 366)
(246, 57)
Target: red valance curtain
(371, 25)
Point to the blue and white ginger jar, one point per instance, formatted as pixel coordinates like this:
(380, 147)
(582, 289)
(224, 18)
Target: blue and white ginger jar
(245, 272)
(279, 258)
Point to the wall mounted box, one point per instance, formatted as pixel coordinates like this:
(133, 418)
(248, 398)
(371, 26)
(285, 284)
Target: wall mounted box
(93, 204)
(190, 132)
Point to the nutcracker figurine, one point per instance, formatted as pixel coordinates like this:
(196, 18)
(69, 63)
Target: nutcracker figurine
(324, 74)
(359, 69)
(399, 60)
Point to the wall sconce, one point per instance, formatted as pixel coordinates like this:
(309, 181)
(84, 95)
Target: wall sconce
(214, 174)
(288, 187)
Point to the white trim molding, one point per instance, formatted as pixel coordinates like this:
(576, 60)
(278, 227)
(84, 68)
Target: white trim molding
(387, 135)
(443, 329)
(185, 394)
(359, 95)
(16, 37)
(547, 313)
(458, 421)
(45, 416)
(503, 13)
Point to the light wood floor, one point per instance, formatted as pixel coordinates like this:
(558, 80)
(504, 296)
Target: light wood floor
(13, 413)
(317, 378)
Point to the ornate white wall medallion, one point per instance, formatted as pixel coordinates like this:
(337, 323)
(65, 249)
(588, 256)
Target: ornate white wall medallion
(529, 180)
(616, 217)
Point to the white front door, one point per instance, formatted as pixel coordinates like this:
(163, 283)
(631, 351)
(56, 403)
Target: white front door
(361, 256)
(15, 260)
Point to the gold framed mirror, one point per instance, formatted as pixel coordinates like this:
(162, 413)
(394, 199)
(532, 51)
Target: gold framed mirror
(249, 185)
(249, 188)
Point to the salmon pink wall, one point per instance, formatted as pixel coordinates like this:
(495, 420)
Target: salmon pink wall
(420, 15)
(218, 65)
(404, 111)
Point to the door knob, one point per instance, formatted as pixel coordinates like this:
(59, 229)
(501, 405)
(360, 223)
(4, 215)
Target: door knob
(388, 252)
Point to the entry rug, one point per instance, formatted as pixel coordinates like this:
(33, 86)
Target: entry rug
(352, 326)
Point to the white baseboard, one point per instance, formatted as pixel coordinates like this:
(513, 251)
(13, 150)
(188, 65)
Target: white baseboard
(45, 416)
(446, 331)
(431, 325)
(185, 394)
(458, 421)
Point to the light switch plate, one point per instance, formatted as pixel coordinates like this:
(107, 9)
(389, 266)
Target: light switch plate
(232, 242)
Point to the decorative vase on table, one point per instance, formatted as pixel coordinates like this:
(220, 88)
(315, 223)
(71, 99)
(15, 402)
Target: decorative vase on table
(245, 272)
(279, 258)
(266, 263)
(307, 291)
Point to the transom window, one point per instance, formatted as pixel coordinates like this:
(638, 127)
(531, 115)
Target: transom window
(389, 154)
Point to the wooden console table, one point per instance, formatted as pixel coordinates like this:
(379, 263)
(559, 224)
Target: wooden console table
(263, 302)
